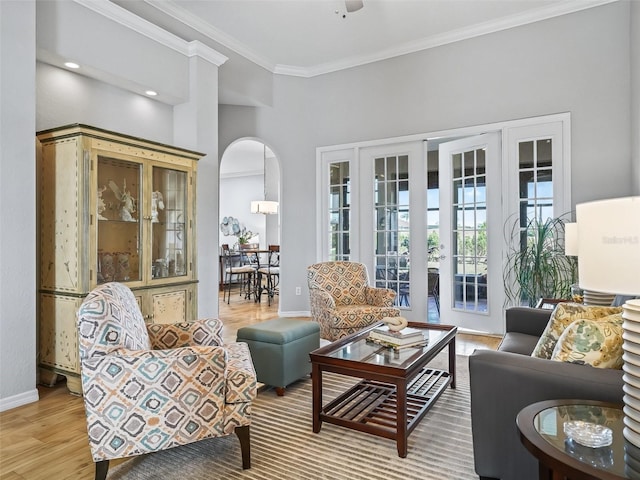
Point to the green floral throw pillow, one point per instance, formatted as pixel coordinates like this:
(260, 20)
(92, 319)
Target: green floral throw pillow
(564, 315)
(592, 342)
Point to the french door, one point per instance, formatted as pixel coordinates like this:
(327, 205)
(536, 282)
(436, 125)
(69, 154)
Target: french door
(393, 234)
(470, 283)
(427, 217)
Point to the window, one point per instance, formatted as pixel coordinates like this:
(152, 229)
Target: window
(392, 233)
(535, 175)
(470, 230)
(339, 211)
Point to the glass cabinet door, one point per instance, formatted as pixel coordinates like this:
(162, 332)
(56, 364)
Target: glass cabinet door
(168, 220)
(119, 227)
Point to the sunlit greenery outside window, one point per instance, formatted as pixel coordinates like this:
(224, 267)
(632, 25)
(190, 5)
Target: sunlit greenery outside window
(392, 241)
(470, 230)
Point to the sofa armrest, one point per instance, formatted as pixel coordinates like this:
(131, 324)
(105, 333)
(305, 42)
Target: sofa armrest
(380, 297)
(241, 375)
(531, 321)
(503, 383)
(321, 300)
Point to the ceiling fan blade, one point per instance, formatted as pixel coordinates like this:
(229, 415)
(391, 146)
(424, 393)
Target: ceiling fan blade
(353, 5)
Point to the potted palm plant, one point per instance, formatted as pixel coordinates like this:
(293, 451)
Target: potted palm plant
(536, 266)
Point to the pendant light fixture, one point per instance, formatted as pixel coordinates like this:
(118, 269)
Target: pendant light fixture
(266, 207)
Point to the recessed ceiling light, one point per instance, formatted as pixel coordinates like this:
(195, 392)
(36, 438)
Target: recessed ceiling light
(151, 93)
(71, 65)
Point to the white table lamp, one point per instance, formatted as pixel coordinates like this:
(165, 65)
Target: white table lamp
(609, 261)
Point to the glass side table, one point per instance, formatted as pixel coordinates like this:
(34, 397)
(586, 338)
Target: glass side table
(542, 433)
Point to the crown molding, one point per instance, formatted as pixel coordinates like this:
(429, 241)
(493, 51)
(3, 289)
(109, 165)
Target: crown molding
(293, 71)
(551, 11)
(133, 22)
(199, 49)
(176, 12)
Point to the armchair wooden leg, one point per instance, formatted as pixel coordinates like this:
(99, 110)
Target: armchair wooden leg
(245, 446)
(102, 467)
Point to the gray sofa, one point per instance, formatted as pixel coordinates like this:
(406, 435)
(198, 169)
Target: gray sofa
(505, 381)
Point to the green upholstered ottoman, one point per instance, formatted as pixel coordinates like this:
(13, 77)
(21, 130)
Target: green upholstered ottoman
(280, 349)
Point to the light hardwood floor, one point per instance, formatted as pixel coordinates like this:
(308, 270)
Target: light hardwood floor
(47, 440)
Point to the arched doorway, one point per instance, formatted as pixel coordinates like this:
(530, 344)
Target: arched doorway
(249, 172)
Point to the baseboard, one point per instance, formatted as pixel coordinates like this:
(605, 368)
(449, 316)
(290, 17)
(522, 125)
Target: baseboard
(19, 400)
(300, 313)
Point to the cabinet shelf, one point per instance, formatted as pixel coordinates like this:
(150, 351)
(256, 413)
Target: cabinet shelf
(126, 222)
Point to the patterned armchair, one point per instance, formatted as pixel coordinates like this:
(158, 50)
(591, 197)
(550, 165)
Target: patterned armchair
(342, 301)
(153, 387)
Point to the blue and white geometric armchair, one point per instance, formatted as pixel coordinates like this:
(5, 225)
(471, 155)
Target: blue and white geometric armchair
(153, 387)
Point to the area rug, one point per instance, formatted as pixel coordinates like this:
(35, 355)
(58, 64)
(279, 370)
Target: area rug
(283, 445)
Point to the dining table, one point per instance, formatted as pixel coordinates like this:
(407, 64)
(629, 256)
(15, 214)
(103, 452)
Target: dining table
(253, 256)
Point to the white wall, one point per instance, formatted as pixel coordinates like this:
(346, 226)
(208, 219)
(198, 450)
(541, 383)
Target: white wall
(17, 205)
(64, 97)
(236, 194)
(576, 63)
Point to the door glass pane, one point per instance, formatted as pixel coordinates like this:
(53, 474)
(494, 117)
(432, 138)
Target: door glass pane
(168, 220)
(470, 233)
(543, 150)
(536, 180)
(339, 215)
(118, 232)
(392, 236)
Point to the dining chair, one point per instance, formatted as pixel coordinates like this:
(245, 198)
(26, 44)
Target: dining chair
(271, 271)
(244, 273)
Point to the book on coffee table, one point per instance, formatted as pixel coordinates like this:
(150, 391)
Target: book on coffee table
(407, 336)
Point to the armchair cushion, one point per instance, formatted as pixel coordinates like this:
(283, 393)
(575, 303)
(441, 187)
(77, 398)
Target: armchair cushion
(360, 316)
(206, 332)
(564, 315)
(592, 342)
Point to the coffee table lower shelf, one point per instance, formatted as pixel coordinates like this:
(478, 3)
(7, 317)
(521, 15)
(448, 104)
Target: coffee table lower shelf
(371, 406)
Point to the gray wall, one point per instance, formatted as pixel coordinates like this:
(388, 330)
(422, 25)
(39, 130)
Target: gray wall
(17, 204)
(576, 63)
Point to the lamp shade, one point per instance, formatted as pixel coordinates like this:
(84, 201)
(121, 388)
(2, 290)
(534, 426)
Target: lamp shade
(264, 206)
(571, 239)
(609, 245)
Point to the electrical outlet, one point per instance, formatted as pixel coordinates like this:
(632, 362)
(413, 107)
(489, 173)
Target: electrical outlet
(298, 291)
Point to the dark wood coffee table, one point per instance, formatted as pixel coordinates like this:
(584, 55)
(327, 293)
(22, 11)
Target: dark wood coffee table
(397, 387)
